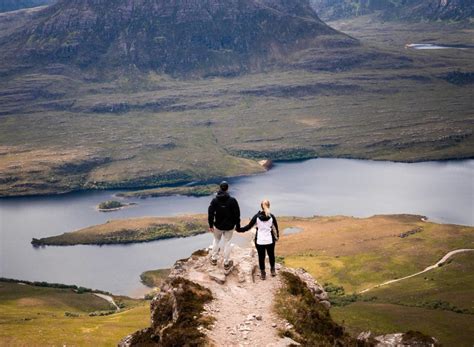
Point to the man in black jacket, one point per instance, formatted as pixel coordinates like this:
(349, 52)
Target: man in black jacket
(223, 217)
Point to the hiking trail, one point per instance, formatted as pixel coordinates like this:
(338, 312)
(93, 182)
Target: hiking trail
(431, 267)
(243, 303)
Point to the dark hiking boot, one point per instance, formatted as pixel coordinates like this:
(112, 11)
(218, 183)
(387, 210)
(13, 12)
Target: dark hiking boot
(273, 272)
(263, 275)
(228, 265)
(213, 261)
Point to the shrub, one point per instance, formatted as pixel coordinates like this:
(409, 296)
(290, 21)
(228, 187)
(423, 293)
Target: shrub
(280, 259)
(337, 295)
(71, 314)
(101, 313)
(312, 323)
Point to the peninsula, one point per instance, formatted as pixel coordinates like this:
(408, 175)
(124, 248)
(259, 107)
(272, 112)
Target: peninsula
(129, 231)
(201, 190)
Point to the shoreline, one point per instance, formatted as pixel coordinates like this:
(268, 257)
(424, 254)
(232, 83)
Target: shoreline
(217, 179)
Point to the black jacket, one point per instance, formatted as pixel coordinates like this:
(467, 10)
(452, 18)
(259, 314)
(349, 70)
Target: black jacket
(224, 212)
(263, 217)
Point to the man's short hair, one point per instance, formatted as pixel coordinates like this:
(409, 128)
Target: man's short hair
(224, 186)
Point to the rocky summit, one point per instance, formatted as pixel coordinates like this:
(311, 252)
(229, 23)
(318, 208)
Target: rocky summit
(177, 37)
(204, 305)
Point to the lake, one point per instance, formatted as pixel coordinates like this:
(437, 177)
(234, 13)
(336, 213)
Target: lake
(430, 46)
(442, 191)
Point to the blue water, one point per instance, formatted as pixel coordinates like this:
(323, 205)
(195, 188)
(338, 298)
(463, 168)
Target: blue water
(442, 191)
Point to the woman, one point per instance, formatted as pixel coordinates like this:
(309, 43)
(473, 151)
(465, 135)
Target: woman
(266, 236)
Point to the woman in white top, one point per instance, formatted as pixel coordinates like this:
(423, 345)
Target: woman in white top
(266, 236)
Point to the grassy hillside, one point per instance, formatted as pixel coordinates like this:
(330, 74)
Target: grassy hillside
(131, 230)
(439, 303)
(144, 130)
(36, 316)
(360, 253)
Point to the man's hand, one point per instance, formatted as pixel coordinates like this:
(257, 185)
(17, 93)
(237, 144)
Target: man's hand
(211, 230)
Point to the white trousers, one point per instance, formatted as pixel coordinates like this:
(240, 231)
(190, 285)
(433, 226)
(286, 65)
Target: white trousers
(215, 245)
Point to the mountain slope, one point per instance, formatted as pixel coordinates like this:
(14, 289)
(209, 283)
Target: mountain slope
(175, 37)
(456, 10)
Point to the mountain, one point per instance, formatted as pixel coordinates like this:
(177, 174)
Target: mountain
(12, 5)
(224, 37)
(455, 10)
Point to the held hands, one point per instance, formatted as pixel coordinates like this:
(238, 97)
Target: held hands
(211, 230)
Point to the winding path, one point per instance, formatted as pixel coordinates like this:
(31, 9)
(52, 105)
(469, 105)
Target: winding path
(109, 299)
(442, 261)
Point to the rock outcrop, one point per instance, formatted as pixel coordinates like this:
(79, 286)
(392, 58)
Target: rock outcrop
(201, 304)
(175, 316)
(410, 338)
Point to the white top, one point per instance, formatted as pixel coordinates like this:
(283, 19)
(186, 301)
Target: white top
(264, 232)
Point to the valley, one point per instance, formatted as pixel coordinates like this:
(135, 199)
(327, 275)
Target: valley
(118, 117)
(141, 130)
(33, 315)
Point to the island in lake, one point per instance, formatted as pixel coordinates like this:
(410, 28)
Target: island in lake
(113, 205)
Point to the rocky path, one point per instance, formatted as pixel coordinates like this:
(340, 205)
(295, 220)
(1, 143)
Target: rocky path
(243, 303)
(244, 313)
(431, 267)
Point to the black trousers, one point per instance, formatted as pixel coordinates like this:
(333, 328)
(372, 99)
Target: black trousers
(270, 249)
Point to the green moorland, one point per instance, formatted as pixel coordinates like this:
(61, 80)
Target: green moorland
(122, 231)
(444, 295)
(140, 130)
(359, 253)
(200, 190)
(41, 316)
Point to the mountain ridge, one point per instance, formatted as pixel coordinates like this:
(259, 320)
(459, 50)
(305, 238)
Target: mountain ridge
(211, 37)
(411, 10)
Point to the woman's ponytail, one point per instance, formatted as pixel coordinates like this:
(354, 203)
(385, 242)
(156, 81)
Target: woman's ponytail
(266, 207)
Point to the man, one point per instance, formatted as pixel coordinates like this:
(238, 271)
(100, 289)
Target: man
(223, 217)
